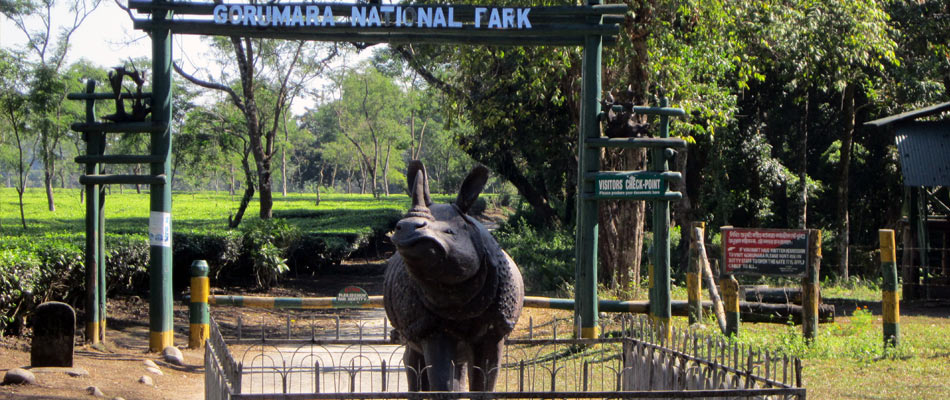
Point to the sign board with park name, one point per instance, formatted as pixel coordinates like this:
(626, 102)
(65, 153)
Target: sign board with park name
(387, 23)
(771, 252)
(626, 185)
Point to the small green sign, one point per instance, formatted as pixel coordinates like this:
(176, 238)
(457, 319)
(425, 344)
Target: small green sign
(623, 185)
(351, 297)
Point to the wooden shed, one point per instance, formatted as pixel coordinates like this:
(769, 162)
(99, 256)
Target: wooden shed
(923, 144)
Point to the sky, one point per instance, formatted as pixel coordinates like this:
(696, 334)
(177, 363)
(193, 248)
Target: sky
(107, 39)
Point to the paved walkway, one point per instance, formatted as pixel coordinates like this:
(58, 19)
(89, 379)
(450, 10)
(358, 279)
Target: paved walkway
(343, 368)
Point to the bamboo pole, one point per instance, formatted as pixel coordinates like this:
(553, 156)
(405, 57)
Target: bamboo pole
(694, 288)
(711, 284)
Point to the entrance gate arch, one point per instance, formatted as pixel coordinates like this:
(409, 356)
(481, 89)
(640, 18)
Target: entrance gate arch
(591, 25)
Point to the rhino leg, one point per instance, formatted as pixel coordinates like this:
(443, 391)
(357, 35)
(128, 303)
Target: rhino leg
(485, 364)
(439, 350)
(416, 370)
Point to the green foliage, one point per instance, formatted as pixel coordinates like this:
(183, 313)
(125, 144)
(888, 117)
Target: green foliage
(545, 256)
(308, 238)
(266, 242)
(52, 267)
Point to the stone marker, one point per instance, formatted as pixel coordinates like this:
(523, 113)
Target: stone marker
(77, 372)
(154, 371)
(146, 380)
(54, 328)
(95, 391)
(18, 376)
(173, 356)
(150, 363)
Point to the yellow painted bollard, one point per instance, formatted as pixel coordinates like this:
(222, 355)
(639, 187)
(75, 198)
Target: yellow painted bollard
(889, 299)
(199, 318)
(730, 298)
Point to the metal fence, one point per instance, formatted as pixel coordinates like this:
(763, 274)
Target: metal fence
(356, 359)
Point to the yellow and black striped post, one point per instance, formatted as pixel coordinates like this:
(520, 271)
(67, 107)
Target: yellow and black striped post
(694, 288)
(730, 297)
(199, 319)
(889, 300)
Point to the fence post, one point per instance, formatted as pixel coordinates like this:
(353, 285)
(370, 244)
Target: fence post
(889, 298)
(694, 286)
(199, 318)
(811, 292)
(730, 294)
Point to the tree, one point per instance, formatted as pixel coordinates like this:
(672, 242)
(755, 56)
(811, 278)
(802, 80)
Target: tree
(371, 116)
(48, 91)
(841, 47)
(13, 101)
(279, 69)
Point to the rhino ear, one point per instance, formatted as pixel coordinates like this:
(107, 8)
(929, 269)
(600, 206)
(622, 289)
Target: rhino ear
(415, 168)
(471, 187)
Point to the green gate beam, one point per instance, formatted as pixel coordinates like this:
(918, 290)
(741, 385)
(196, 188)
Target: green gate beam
(540, 14)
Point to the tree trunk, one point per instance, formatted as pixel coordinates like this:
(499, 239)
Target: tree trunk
(682, 209)
(362, 179)
(264, 190)
(48, 184)
(389, 150)
(847, 139)
(19, 193)
(621, 222)
(375, 169)
(320, 182)
(137, 170)
(333, 176)
(621, 225)
(231, 187)
(248, 193)
(283, 170)
(803, 173)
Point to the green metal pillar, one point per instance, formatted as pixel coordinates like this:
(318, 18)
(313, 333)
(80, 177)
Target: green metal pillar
(586, 235)
(660, 303)
(92, 226)
(161, 332)
(101, 261)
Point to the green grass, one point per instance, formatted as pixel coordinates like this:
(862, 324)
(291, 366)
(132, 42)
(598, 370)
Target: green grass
(848, 359)
(127, 212)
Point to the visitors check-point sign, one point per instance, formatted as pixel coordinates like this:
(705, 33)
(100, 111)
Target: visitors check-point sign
(635, 185)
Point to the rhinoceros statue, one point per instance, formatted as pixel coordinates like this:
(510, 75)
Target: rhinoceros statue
(451, 293)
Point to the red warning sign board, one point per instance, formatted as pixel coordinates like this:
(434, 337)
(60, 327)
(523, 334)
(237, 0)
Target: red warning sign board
(772, 252)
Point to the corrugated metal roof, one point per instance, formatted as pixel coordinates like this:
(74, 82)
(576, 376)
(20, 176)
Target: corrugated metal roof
(924, 149)
(911, 115)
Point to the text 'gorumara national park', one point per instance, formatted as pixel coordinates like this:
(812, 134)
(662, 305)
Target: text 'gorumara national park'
(371, 16)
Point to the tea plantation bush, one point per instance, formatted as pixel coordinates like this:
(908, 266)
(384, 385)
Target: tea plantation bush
(46, 261)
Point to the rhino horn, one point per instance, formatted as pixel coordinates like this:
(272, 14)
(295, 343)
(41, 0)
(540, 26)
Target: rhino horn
(418, 189)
